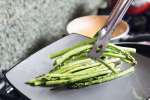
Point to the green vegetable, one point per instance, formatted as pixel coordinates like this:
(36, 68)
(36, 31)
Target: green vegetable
(59, 53)
(70, 53)
(101, 79)
(95, 73)
(73, 69)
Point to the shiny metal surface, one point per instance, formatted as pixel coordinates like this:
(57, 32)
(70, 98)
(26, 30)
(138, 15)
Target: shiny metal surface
(105, 34)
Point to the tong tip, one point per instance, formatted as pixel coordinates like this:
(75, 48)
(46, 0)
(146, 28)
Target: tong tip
(94, 54)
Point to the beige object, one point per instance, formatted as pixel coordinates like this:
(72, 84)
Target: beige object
(90, 25)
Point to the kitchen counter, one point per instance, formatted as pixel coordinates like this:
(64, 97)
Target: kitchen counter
(28, 25)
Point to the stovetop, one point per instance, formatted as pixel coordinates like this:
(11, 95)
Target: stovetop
(139, 24)
(7, 92)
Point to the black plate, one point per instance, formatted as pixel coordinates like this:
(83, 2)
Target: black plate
(39, 63)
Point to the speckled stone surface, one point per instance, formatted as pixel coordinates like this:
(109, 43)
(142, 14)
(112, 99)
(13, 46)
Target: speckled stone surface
(28, 25)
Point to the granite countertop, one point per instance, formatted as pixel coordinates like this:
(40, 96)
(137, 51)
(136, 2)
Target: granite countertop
(28, 25)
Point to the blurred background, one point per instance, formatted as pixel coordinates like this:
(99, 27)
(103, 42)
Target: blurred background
(29, 25)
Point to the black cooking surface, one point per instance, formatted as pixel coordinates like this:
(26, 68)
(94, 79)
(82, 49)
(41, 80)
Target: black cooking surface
(7, 92)
(139, 24)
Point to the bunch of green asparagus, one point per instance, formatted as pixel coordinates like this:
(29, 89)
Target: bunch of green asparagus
(73, 69)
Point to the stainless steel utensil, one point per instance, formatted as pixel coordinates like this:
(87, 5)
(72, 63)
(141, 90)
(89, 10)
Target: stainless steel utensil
(105, 34)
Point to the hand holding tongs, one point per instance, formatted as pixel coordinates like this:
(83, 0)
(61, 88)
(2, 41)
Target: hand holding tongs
(105, 34)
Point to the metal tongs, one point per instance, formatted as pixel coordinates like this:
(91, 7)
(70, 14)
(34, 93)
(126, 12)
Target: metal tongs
(105, 34)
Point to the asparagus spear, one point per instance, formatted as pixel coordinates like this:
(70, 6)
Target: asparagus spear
(84, 42)
(101, 79)
(73, 75)
(50, 76)
(67, 55)
(125, 52)
(75, 79)
(80, 71)
(81, 56)
(128, 49)
(80, 65)
(62, 58)
(107, 65)
(109, 54)
(72, 65)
